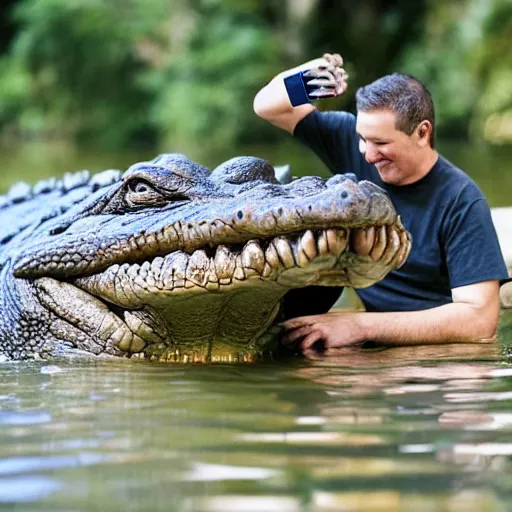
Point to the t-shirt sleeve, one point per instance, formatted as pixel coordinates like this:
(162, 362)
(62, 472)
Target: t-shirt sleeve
(472, 249)
(332, 136)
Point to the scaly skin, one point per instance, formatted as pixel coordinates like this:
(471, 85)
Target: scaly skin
(177, 263)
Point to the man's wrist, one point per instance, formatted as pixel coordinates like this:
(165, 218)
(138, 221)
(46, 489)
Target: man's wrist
(363, 322)
(296, 89)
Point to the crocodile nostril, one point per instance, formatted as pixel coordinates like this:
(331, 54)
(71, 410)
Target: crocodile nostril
(280, 211)
(240, 214)
(58, 230)
(344, 194)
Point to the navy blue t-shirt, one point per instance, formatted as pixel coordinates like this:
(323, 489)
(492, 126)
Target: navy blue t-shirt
(454, 241)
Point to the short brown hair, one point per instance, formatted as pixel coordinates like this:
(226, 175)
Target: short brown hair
(403, 95)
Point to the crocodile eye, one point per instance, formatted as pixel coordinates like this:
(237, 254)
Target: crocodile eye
(140, 193)
(139, 186)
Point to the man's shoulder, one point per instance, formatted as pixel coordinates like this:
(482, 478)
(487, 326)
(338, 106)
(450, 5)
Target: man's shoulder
(456, 182)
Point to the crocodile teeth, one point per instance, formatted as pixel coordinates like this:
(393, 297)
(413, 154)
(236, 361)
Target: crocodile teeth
(323, 246)
(205, 230)
(267, 270)
(239, 274)
(380, 244)
(272, 257)
(174, 267)
(253, 257)
(308, 244)
(305, 249)
(170, 234)
(283, 258)
(403, 252)
(284, 251)
(362, 240)
(337, 240)
(197, 268)
(392, 246)
(224, 262)
(156, 265)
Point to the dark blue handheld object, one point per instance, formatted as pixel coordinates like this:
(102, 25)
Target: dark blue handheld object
(296, 89)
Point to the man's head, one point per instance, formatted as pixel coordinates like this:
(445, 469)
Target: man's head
(396, 124)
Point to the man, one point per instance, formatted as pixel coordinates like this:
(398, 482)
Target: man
(448, 289)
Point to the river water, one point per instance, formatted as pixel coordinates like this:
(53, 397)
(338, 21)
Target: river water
(409, 429)
(423, 429)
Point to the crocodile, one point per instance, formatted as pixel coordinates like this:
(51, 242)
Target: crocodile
(174, 262)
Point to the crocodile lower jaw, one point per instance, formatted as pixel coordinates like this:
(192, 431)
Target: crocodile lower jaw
(182, 292)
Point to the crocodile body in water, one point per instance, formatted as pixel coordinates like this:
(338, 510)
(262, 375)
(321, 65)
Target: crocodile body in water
(174, 262)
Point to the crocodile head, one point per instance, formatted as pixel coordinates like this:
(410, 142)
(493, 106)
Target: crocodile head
(179, 263)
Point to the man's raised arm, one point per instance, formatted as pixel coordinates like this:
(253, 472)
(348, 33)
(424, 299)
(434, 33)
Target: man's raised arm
(325, 78)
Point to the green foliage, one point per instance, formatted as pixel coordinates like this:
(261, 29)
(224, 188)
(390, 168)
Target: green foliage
(113, 71)
(182, 74)
(204, 95)
(464, 57)
(81, 68)
(494, 67)
(14, 82)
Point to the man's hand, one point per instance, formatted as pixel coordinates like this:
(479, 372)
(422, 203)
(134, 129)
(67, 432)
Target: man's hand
(326, 78)
(329, 79)
(471, 317)
(336, 329)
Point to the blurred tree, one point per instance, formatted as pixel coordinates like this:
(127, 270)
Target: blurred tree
(464, 58)
(79, 70)
(182, 73)
(493, 63)
(119, 72)
(203, 91)
(7, 26)
(370, 35)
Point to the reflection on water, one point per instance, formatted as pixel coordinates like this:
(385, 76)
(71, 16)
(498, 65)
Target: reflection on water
(415, 428)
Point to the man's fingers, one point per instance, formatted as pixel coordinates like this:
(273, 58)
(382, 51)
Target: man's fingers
(334, 59)
(341, 88)
(321, 82)
(319, 73)
(325, 82)
(292, 336)
(328, 57)
(322, 93)
(299, 321)
(338, 60)
(310, 340)
(329, 73)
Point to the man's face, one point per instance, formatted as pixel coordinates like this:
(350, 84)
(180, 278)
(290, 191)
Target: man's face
(396, 155)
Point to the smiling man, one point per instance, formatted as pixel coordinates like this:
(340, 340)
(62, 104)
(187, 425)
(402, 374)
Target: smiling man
(448, 289)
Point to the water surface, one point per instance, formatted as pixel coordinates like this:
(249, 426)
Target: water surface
(416, 428)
